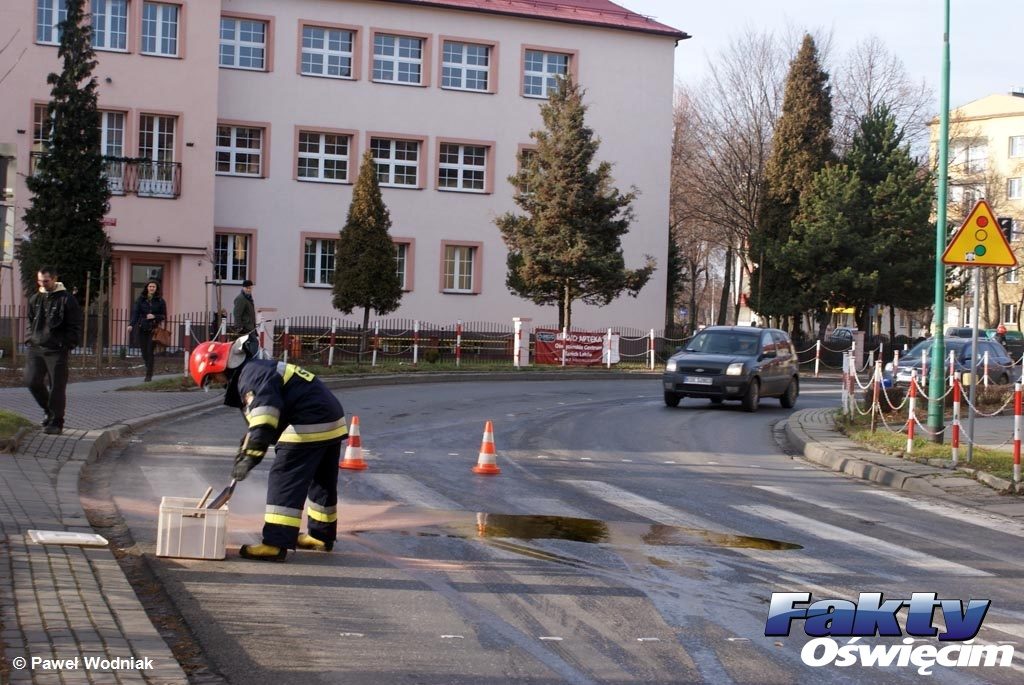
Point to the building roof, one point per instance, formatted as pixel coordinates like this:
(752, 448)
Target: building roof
(593, 12)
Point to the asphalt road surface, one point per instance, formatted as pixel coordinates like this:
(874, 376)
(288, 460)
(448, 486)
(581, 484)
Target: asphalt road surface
(623, 542)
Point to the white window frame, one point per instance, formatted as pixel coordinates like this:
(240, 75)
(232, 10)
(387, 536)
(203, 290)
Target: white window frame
(1012, 276)
(458, 266)
(226, 244)
(235, 148)
(113, 28)
(321, 156)
(1016, 147)
(160, 23)
(156, 180)
(323, 261)
(1015, 188)
(387, 50)
(1009, 313)
(402, 263)
(112, 140)
(462, 168)
(386, 166)
(49, 14)
(237, 44)
(40, 143)
(548, 77)
(326, 53)
(454, 73)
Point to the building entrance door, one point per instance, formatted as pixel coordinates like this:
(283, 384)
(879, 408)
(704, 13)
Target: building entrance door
(141, 273)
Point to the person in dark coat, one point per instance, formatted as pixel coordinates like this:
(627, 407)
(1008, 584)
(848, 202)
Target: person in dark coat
(245, 310)
(54, 329)
(149, 312)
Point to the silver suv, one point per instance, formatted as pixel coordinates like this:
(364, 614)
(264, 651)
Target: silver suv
(734, 363)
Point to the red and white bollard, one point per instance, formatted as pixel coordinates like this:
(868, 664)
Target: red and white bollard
(415, 342)
(458, 344)
(910, 417)
(985, 377)
(187, 343)
(334, 340)
(608, 350)
(1016, 431)
(956, 421)
(650, 350)
(817, 357)
(376, 342)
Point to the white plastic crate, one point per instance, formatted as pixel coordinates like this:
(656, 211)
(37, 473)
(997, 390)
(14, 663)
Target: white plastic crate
(190, 533)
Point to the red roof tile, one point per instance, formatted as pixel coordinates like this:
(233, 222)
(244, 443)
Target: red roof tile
(594, 12)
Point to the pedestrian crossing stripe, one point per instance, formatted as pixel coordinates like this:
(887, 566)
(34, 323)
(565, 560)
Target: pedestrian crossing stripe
(979, 241)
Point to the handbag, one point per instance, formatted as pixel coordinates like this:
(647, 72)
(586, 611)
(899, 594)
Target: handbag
(161, 336)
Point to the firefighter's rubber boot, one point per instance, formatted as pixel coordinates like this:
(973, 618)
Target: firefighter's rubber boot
(262, 552)
(309, 542)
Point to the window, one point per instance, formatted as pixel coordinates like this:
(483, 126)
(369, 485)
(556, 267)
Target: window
(239, 150)
(541, 71)
(40, 128)
(397, 59)
(50, 13)
(402, 264)
(318, 262)
(327, 52)
(323, 157)
(110, 24)
(1010, 313)
(1014, 188)
(458, 268)
(112, 147)
(243, 43)
(397, 161)
(971, 157)
(462, 167)
(231, 257)
(466, 66)
(159, 29)
(1017, 146)
(156, 152)
(527, 155)
(1012, 276)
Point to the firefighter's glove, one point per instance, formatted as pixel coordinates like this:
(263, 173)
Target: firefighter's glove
(246, 461)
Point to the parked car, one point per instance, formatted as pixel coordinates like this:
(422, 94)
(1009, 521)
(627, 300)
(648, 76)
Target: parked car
(1013, 341)
(1000, 366)
(962, 332)
(734, 363)
(842, 334)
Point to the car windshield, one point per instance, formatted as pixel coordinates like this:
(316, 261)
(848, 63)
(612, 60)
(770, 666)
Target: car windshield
(724, 342)
(959, 345)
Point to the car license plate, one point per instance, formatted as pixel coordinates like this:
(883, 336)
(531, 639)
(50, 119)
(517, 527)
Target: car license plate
(697, 380)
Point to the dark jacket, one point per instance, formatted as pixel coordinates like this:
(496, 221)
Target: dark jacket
(143, 306)
(245, 313)
(284, 403)
(54, 320)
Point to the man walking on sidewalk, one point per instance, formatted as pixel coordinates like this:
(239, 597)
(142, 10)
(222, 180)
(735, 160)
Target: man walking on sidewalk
(54, 329)
(245, 310)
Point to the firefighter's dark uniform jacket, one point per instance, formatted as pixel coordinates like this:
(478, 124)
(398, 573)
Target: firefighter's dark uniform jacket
(289, 407)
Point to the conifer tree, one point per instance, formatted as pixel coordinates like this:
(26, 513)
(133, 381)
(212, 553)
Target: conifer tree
(567, 244)
(365, 272)
(801, 146)
(70, 195)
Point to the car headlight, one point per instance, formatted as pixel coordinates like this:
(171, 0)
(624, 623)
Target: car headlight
(888, 367)
(734, 369)
(671, 366)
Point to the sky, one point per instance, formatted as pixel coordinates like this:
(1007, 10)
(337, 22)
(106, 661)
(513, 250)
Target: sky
(986, 39)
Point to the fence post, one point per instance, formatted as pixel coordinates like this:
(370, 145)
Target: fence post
(608, 350)
(222, 332)
(651, 350)
(565, 342)
(285, 339)
(334, 339)
(924, 363)
(817, 357)
(910, 412)
(955, 431)
(458, 344)
(1016, 432)
(952, 368)
(985, 377)
(415, 342)
(376, 343)
(876, 382)
(895, 364)
(843, 399)
(186, 344)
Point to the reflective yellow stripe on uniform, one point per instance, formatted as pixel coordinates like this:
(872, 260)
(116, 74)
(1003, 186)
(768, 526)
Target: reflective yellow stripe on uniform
(286, 371)
(321, 513)
(315, 432)
(283, 516)
(263, 416)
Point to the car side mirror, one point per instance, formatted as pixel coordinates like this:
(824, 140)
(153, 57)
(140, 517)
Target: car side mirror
(768, 353)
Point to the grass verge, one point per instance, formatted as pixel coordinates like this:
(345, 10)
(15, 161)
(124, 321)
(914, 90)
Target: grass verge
(10, 423)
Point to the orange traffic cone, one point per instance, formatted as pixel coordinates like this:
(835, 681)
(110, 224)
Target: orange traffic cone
(353, 458)
(486, 464)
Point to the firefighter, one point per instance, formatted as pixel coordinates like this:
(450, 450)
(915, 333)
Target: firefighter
(287, 406)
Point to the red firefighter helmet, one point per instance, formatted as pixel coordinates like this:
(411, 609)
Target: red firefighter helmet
(208, 358)
(1001, 330)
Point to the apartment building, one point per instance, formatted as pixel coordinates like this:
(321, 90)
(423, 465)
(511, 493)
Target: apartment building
(235, 130)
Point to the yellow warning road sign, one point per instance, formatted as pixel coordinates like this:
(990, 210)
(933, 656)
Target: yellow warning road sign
(979, 241)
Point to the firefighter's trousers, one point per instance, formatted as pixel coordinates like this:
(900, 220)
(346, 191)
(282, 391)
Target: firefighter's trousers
(302, 475)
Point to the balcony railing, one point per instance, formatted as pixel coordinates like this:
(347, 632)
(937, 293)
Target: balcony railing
(141, 177)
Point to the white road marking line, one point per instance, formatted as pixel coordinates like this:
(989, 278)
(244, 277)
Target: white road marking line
(628, 461)
(960, 514)
(405, 489)
(711, 463)
(738, 639)
(542, 456)
(351, 634)
(648, 508)
(408, 452)
(585, 459)
(550, 637)
(453, 637)
(549, 506)
(648, 639)
(175, 481)
(668, 462)
(1007, 628)
(453, 454)
(845, 536)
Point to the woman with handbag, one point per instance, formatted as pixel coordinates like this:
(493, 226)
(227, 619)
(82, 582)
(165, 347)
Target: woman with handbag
(149, 312)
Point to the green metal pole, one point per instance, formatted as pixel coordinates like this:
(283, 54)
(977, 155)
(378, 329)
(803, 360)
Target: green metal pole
(936, 379)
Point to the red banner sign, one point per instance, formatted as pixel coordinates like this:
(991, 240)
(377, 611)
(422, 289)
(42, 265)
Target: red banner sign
(585, 348)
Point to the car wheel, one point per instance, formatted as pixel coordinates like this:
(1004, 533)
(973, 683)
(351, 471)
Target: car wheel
(716, 400)
(753, 396)
(788, 399)
(1003, 380)
(671, 399)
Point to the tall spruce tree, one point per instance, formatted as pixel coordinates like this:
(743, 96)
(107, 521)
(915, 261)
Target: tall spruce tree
(567, 245)
(69, 190)
(365, 272)
(801, 146)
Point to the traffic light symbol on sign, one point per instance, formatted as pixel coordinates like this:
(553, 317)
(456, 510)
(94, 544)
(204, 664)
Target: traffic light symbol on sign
(980, 241)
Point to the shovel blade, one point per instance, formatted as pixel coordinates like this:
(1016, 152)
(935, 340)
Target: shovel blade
(222, 499)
